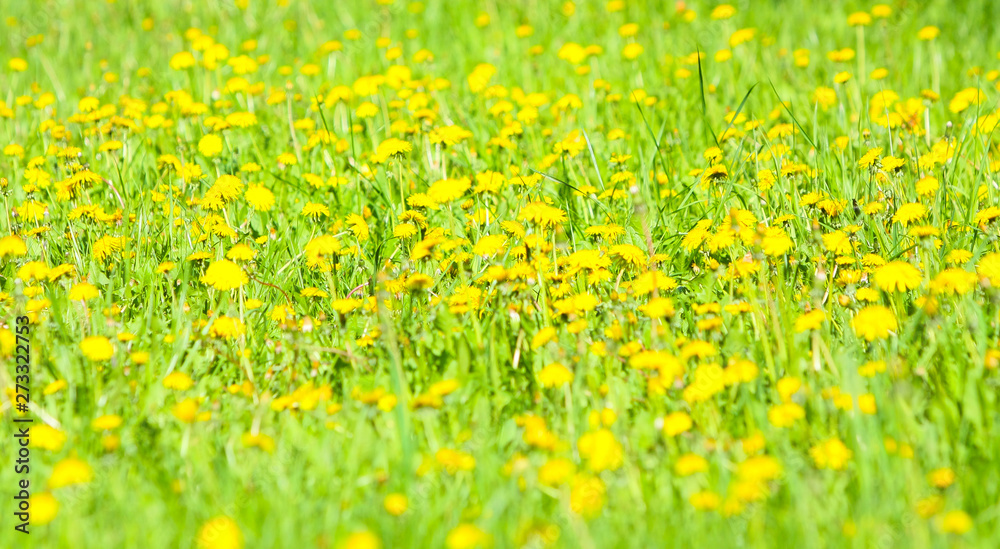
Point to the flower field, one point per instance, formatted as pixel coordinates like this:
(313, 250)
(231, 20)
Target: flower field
(395, 273)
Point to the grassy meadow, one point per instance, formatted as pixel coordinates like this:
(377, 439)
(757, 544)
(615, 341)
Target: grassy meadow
(372, 274)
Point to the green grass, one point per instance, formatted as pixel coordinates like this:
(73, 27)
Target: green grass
(323, 474)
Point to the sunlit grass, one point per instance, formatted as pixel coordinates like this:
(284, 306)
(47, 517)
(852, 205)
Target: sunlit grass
(469, 274)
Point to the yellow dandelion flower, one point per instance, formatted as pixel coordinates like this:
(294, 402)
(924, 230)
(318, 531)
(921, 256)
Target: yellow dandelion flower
(178, 381)
(676, 423)
(97, 348)
(689, 464)
(224, 275)
(44, 508)
(68, 472)
(874, 322)
(928, 33)
(210, 145)
(391, 147)
(220, 532)
(46, 437)
(908, 213)
(897, 276)
(395, 504)
(831, 454)
(555, 375)
(587, 496)
(467, 536)
(956, 522)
